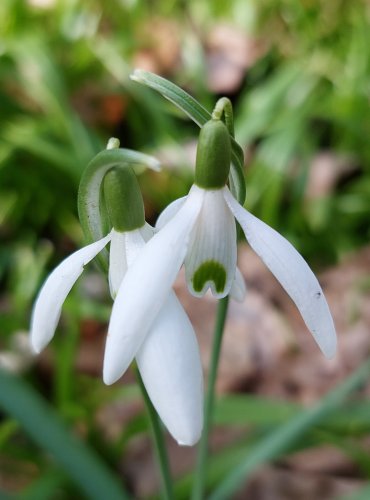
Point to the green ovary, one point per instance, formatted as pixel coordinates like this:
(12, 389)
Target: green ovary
(210, 271)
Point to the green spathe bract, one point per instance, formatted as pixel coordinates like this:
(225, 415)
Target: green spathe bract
(123, 199)
(200, 116)
(210, 271)
(213, 156)
(89, 194)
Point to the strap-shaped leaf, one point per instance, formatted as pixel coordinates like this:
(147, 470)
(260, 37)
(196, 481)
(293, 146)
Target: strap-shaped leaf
(92, 218)
(82, 464)
(278, 441)
(200, 116)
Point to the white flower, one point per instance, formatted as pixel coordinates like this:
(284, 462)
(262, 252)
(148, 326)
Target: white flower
(200, 231)
(167, 356)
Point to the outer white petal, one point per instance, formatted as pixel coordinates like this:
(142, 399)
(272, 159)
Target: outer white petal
(293, 272)
(145, 288)
(171, 370)
(117, 261)
(238, 290)
(47, 309)
(169, 212)
(212, 248)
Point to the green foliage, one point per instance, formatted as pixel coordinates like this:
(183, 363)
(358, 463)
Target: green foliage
(61, 68)
(46, 429)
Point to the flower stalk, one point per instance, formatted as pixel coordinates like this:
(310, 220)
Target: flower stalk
(203, 447)
(159, 443)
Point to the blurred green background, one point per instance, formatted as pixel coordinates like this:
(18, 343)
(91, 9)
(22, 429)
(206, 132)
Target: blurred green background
(298, 74)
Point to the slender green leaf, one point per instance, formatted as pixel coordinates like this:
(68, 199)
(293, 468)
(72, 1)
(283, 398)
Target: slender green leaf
(81, 464)
(284, 436)
(44, 487)
(251, 410)
(361, 494)
(175, 94)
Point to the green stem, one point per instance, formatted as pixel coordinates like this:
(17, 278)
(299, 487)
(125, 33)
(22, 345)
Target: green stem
(225, 108)
(159, 444)
(202, 459)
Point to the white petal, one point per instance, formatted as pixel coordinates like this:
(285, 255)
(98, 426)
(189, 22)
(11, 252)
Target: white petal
(238, 290)
(47, 309)
(147, 231)
(145, 288)
(171, 370)
(124, 248)
(211, 259)
(293, 272)
(169, 212)
(134, 244)
(117, 261)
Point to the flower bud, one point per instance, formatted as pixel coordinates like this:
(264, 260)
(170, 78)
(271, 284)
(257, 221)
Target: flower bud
(213, 156)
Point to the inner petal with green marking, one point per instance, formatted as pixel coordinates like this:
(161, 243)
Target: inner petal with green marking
(209, 271)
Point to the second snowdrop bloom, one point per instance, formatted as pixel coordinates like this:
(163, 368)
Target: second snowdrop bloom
(199, 230)
(167, 351)
(167, 355)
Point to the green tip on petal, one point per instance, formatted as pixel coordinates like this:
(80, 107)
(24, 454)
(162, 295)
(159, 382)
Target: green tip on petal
(210, 271)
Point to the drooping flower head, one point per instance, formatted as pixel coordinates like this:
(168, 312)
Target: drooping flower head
(167, 355)
(199, 230)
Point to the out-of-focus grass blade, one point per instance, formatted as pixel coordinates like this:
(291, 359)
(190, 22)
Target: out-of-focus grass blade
(250, 410)
(361, 494)
(200, 116)
(25, 134)
(246, 410)
(262, 105)
(7, 429)
(80, 463)
(219, 465)
(284, 436)
(44, 487)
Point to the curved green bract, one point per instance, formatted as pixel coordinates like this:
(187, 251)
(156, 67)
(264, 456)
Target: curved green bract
(200, 116)
(224, 109)
(89, 193)
(207, 272)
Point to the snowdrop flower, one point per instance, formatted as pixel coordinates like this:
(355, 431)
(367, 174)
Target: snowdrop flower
(199, 230)
(168, 358)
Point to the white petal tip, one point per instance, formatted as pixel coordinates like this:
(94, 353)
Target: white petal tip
(329, 351)
(327, 342)
(112, 368)
(110, 377)
(189, 442)
(36, 349)
(37, 345)
(190, 436)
